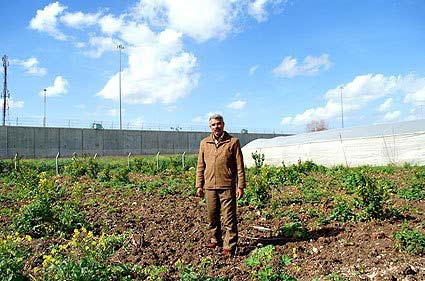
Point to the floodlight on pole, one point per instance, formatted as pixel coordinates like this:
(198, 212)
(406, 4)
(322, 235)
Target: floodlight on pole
(342, 109)
(120, 48)
(45, 99)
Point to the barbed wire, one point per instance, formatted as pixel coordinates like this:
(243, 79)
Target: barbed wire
(100, 124)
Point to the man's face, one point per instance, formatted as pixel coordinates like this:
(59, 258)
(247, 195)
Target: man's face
(216, 126)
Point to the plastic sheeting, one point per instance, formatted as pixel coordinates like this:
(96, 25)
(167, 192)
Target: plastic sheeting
(383, 144)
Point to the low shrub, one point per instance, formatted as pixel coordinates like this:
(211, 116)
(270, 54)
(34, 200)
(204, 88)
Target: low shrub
(410, 240)
(295, 230)
(264, 266)
(13, 254)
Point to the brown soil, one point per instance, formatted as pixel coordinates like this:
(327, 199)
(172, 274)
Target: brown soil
(172, 227)
(168, 228)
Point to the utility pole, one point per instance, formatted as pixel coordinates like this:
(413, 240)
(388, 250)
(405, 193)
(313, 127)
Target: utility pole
(342, 109)
(44, 120)
(120, 48)
(6, 94)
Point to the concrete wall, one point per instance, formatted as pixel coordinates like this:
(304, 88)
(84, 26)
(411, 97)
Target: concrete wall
(40, 142)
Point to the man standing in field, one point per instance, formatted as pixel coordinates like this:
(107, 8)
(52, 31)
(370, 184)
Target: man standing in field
(220, 176)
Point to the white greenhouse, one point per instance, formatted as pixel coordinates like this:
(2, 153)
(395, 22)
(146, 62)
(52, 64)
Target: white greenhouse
(396, 143)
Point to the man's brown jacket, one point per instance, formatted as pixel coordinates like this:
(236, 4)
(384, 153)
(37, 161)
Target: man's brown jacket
(220, 166)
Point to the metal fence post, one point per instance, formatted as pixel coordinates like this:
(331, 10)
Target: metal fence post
(16, 156)
(183, 159)
(56, 162)
(157, 160)
(128, 159)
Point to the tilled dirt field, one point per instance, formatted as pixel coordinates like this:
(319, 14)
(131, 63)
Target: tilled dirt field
(168, 228)
(164, 230)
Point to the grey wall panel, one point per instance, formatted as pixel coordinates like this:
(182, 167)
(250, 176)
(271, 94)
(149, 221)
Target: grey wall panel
(20, 140)
(113, 142)
(38, 142)
(46, 142)
(3, 142)
(181, 143)
(70, 141)
(166, 142)
(194, 139)
(149, 142)
(92, 142)
(132, 142)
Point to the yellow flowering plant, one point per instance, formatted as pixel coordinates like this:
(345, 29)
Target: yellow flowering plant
(13, 254)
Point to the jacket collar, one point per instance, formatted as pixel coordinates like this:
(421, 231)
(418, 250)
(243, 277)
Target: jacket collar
(225, 138)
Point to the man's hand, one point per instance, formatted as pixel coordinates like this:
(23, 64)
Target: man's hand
(200, 192)
(239, 193)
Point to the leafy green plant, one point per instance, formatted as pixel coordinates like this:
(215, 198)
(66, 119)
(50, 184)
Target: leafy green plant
(86, 256)
(261, 260)
(105, 174)
(410, 240)
(343, 211)
(189, 272)
(416, 191)
(69, 216)
(294, 230)
(13, 254)
(121, 175)
(257, 192)
(371, 198)
(311, 191)
(258, 159)
(36, 218)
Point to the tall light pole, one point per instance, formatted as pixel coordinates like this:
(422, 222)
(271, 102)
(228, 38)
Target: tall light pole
(44, 119)
(120, 48)
(5, 94)
(342, 109)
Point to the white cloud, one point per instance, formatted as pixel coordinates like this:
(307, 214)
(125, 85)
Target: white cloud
(201, 20)
(385, 105)
(110, 24)
(158, 70)
(286, 120)
(253, 68)
(239, 104)
(46, 20)
(358, 94)
(79, 19)
(100, 45)
(392, 116)
(80, 45)
(157, 67)
(258, 8)
(416, 97)
(15, 104)
(31, 66)
(59, 88)
(311, 66)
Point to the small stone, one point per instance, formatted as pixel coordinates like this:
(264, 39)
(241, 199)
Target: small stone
(315, 250)
(409, 271)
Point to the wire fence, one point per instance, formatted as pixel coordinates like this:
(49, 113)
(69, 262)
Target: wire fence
(100, 124)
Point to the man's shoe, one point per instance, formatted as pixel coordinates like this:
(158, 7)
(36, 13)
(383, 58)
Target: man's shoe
(227, 253)
(213, 245)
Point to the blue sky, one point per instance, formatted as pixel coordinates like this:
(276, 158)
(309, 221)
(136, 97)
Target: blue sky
(264, 64)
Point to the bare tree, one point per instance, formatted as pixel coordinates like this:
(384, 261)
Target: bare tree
(316, 126)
